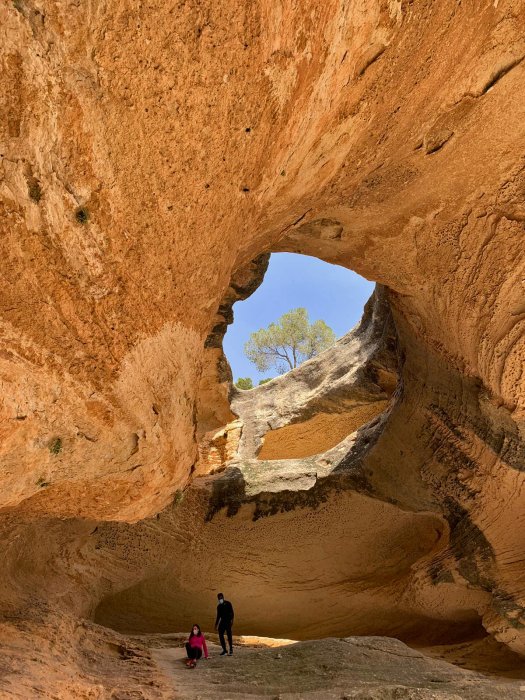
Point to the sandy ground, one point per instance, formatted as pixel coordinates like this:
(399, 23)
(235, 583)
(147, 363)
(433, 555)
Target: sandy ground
(374, 668)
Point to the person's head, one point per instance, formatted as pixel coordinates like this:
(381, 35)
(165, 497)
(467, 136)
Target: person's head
(220, 597)
(195, 631)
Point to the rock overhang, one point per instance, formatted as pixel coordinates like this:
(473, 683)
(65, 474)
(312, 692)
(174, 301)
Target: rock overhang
(333, 131)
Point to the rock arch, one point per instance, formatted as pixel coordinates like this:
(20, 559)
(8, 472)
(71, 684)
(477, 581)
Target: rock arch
(387, 137)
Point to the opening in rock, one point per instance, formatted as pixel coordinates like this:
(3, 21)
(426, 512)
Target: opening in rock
(300, 319)
(303, 455)
(330, 293)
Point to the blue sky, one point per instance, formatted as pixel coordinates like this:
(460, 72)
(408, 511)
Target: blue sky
(328, 292)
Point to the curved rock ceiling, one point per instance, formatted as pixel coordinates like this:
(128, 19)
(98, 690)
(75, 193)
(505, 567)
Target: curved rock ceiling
(152, 155)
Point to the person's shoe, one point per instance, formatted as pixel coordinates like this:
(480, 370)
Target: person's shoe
(231, 652)
(223, 652)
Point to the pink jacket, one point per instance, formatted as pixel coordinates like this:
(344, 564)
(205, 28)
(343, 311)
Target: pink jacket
(199, 642)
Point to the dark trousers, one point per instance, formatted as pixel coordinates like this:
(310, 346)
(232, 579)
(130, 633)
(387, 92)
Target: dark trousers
(228, 629)
(193, 652)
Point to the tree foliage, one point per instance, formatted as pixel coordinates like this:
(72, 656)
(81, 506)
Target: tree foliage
(244, 383)
(288, 342)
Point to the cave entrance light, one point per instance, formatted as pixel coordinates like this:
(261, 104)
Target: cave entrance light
(328, 292)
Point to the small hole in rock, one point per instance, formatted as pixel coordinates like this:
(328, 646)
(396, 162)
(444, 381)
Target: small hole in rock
(34, 189)
(82, 215)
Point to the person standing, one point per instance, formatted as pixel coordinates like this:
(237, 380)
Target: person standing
(195, 645)
(224, 622)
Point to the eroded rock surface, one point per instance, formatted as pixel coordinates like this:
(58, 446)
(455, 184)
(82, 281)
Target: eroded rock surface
(152, 155)
(354, 668)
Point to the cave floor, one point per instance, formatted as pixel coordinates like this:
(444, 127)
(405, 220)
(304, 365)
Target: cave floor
(375, 668)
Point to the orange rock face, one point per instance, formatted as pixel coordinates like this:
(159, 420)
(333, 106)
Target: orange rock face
(151, 156)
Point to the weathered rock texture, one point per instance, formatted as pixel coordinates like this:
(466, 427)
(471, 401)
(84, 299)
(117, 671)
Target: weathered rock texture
(152, 155)
(355, 668)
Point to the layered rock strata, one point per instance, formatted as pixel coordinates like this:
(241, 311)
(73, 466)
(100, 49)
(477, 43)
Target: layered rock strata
(151, 156)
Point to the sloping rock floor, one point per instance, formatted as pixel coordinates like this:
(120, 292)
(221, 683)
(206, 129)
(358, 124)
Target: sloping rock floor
(353, 668)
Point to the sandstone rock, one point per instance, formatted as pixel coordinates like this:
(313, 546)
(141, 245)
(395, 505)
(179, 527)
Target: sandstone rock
(365, 669)
(151, 157)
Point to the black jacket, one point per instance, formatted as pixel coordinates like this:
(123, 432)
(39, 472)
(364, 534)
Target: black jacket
(224, 614)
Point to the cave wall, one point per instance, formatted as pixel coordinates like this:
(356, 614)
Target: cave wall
(149, 153)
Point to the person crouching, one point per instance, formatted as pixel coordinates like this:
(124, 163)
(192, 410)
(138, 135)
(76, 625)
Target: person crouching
(195, 645)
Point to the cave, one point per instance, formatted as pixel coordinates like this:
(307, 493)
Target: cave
(367, 505)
